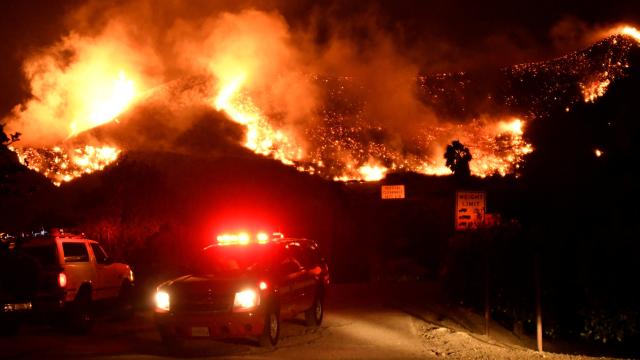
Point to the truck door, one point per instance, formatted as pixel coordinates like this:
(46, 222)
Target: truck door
(78, 267)
(109, 281)
(304, 288)
(289, 272)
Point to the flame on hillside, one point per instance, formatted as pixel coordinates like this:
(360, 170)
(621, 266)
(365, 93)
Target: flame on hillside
(256, 78)
(62, 165)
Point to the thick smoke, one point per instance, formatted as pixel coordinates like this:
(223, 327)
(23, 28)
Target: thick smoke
(155, 45)
(179, 58)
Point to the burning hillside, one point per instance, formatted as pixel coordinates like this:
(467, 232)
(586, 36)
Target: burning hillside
(90, 91)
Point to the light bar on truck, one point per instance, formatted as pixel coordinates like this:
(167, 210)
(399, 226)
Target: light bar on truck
(244, 238)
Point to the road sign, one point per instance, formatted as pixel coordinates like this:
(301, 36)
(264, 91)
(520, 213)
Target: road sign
(392, 191)
(470, 209)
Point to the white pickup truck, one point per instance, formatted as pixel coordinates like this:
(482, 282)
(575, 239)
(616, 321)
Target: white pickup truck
(76, 274)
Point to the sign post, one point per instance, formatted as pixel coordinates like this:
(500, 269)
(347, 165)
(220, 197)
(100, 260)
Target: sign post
(470, 209)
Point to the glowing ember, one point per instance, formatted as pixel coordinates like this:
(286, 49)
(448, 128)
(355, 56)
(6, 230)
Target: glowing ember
(62, 165)
(595, 89)
(598, 152)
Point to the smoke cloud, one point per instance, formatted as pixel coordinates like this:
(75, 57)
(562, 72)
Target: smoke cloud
(168, 72)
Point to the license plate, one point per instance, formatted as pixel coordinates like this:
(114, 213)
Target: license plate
(199, 331)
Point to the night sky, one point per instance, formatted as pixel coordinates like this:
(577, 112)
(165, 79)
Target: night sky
(439, 35)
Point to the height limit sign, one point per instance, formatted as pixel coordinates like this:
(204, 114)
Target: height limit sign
(470, 209)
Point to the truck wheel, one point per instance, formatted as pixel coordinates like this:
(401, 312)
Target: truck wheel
(81, 316)
(271, 331)
(313, 316)
(124, 305)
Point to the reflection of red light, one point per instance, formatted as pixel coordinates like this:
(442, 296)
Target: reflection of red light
(262, 285)
(62, 280)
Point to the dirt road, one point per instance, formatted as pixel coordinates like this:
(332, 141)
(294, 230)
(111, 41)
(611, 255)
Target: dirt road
(362, 322)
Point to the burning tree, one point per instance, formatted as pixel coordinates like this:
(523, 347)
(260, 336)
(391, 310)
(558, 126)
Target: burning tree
(458, 157)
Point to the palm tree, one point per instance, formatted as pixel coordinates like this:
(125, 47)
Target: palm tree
(458, 157)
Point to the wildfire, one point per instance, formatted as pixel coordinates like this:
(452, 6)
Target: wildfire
(62, 165)
(80, 83)
(513, 127)
(76, 84)
(625, 30)
(596, 87)
(104, 103)
(372, 172)
(261, 137)
(594, 90)
(501, 151)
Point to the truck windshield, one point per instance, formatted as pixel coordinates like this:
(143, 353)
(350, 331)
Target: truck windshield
(233, 259)
(46, 255)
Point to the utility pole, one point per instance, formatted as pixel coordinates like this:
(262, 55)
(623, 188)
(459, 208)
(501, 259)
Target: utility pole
(538, 299)
(487, 305)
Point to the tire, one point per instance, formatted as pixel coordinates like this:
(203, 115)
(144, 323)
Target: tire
(314, 315)
(271, 330)
(80, 317)
(124, 303)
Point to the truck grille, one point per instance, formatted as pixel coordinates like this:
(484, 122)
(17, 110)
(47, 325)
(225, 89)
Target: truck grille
(201, 301)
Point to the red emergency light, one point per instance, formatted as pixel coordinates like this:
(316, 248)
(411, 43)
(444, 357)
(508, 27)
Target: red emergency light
(244, 238)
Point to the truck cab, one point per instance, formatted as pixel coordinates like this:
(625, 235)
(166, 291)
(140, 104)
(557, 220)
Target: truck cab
(241, 287)
(76, 273)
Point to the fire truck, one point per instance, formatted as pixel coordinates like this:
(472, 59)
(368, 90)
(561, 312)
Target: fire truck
(241, 287)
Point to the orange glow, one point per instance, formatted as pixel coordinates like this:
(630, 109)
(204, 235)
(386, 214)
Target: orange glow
(514, 127)
(372, 172)
(77, 84)
(625, 30)
(260, 137)
(598, 85)
(251, 70)
(594, 89)
(104, 103)
(63, 165)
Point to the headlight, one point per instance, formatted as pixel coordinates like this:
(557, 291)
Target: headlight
(245, 300)
(163, 302)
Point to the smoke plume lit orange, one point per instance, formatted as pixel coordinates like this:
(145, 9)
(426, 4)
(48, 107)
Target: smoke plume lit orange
(332, 111)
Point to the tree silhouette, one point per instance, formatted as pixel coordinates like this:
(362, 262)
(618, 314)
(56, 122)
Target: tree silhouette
(458, 157)
(3, 137)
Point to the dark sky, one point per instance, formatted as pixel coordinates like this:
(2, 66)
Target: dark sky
(440, 35)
